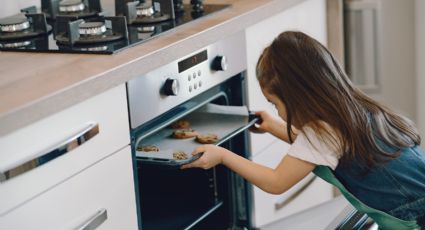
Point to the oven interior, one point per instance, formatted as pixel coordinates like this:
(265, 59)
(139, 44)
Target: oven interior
(171, 198)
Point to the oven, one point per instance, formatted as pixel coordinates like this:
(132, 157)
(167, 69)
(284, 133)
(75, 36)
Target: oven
(207, 89)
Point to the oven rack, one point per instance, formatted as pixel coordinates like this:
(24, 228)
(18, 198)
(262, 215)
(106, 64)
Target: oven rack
(187, 219)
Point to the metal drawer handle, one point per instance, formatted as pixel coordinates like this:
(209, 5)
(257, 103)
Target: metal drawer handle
(95, 221)
(65, 146)
(280, 204)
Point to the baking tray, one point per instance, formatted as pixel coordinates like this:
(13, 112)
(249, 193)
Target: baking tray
(224, 121)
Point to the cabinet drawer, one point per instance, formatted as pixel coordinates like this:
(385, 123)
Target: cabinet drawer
(106, 189)
(41, 155)
(307, 193)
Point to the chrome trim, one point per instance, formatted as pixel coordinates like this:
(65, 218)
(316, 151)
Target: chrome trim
(146, 29)
(15, 44)
(224, 63)
(92, 31)
(95, 48)
(280, 204)
(95, 221)
(52, 153)
(204, 215)
(72, 8)
(15, 27)
(145, 11)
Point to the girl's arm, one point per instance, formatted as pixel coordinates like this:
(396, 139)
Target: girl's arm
(276, 181)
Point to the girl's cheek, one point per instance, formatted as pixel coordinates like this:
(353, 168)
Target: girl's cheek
(282, 114)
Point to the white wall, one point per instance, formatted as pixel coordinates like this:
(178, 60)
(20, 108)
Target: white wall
(11, 7)
(398, 56)
(420, 63)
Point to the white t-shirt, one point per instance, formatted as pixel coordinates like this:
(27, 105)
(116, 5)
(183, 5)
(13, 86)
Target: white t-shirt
(314, 149)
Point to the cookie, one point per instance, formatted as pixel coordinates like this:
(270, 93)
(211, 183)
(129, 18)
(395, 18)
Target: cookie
(148, 148)
(179, 155)
(184, 133)
(207, 139)
(181, 124)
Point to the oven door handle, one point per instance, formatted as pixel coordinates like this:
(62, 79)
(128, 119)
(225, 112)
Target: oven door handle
(283, 202)
(252, 116)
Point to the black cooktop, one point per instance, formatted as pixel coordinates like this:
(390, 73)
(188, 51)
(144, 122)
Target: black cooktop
(80, 26)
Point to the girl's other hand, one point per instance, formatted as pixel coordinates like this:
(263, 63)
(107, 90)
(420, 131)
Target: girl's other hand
(212, 155)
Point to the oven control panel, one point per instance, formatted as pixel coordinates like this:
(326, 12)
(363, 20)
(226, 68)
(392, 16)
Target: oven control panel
(162, 89)
(192, 73)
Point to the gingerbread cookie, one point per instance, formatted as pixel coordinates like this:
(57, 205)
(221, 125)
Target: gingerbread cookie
(184, 133)
(207, 139)
(179, 155)
(181, 124)
(148, 148)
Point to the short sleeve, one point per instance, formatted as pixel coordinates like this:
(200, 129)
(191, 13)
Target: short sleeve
(313, 149)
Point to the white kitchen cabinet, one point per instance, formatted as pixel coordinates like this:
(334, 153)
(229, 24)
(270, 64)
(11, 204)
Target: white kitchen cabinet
(23, 149)
(105, 188)
(308, 17)
(307, 193)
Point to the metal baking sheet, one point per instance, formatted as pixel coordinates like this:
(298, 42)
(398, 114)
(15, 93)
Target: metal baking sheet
(224, 121)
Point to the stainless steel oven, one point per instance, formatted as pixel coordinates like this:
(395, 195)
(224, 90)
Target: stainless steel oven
(205, 88)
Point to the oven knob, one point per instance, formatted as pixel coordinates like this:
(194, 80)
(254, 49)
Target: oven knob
(219, 63)
(171, 87)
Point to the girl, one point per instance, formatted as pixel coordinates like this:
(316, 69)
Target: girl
(369, 152)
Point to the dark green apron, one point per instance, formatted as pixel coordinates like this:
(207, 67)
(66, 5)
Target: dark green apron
(384, 220)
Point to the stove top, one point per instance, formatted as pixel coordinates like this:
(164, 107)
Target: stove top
(80, 26)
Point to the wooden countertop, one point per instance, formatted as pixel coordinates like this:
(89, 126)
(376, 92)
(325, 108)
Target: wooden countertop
(35, 85)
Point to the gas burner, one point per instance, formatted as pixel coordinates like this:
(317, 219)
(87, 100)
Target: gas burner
(153, 11)
(14, 45)
(144, 32)
(146, 29)
(91, 28)
(70, 6)
(22, 26)
(32, 43)
(14, 24)
(75, 8)
(79, 26)
(145, 10)
(100, 30)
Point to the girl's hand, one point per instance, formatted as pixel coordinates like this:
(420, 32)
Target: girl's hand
(273, 125)
(269, 123)
(212, 156)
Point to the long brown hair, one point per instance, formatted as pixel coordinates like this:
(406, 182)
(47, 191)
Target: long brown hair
(316, 92)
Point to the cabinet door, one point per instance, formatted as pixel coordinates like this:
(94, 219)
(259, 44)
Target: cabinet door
(102, 195)
(308, 17)
(38, 157)
(307, 193)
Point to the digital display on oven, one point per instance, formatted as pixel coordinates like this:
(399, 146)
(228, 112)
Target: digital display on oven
(192, 61)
